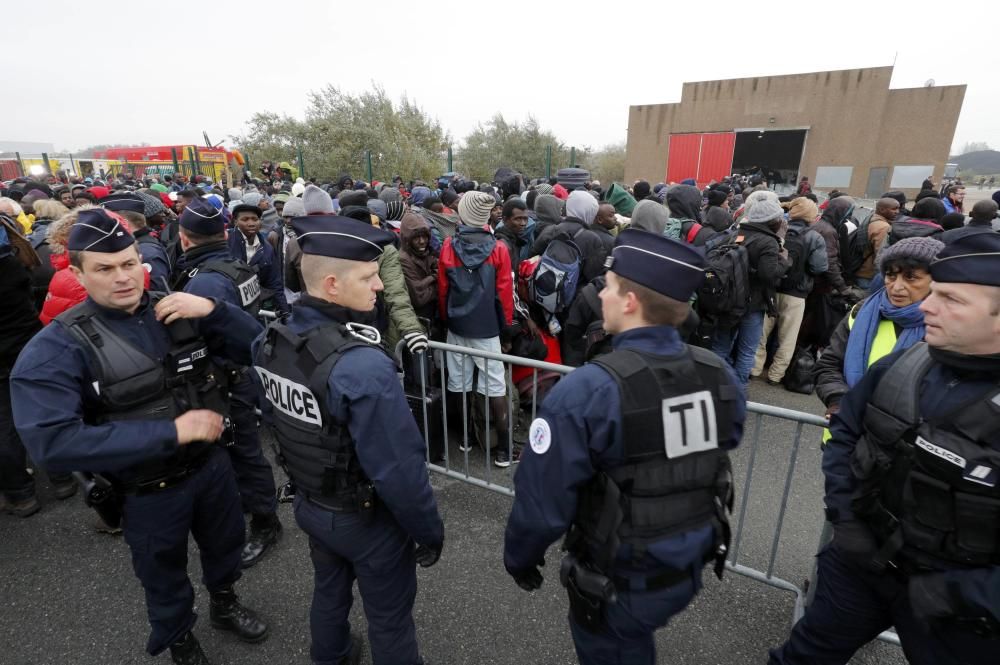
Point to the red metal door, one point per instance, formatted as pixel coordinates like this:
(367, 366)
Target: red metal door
(702, 156)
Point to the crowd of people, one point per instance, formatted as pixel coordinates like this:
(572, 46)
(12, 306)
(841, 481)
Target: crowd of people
(301, 293)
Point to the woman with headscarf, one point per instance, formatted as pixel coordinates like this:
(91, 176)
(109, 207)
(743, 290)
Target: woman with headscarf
(889, 320)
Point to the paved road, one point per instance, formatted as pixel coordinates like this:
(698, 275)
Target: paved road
(68, 595)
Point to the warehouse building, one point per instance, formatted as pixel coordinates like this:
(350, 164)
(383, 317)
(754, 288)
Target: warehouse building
(842, 129)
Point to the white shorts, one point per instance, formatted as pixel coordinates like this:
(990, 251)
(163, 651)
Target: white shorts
(460, 366)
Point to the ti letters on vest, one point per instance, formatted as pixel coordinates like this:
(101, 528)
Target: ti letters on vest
(249, 290)
(689, 424)
(292, 399)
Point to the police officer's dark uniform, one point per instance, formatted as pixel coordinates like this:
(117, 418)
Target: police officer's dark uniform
(351, 446)
(210, 271)
(913, 491)
(628, 454)
(98, 392)
(154, 255)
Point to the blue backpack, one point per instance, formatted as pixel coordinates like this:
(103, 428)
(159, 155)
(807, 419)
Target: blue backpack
(554, 282)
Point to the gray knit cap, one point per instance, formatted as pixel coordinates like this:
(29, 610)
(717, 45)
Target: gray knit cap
(544, 188)
(474, 208)
(919, 249)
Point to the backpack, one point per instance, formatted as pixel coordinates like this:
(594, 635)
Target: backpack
(795, 243)
(725, 293)
(598, 340)
(675, 228)
(859, 246)
(799, 376)
(554, 282)
(912, 228)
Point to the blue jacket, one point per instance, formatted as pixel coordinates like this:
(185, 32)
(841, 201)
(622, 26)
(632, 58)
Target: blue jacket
(53, 381)
(583, 412)
(209, 284)
(364, 391)
(943, 390)
(155, 256)
(269, 269)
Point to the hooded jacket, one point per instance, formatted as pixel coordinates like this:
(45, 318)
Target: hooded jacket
(831, 227)
(20, 320)
(684, 202)
(462, 257)
(650, 216)
(767, 266)
(548, 210)
(265, 260)
(419, 271)
(623, 202)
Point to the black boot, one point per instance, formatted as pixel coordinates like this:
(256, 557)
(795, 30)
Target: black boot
(187, 651)
(264, 532)
(227, 613)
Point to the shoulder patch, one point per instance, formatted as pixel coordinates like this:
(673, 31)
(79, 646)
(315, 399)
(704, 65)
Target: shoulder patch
(540, 436)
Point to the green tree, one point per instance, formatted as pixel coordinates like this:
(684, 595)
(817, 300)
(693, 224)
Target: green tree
(608, 164)
(338, 131)
(521, 147)
(974, 146)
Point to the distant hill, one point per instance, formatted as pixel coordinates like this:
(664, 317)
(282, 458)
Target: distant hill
(980, 162)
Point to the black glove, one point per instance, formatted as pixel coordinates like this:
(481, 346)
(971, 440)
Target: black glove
(856, 542)
(427, 555)
(529, 578)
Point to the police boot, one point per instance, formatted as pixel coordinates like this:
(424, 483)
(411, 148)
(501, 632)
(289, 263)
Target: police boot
(227, 613)
(264, 532)
(187, 651)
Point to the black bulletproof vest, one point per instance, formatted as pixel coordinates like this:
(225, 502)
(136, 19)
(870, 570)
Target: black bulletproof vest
(243, 277)
(674, 477)
(317, 451)
(132, 385)
(930, 490)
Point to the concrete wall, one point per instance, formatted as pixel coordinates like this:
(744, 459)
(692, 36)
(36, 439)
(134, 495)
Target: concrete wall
(852, 116)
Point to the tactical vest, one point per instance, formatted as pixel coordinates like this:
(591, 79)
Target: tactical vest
(243, 277)
(317, 451)
(930, 489)
(674, 477)
(132, 385)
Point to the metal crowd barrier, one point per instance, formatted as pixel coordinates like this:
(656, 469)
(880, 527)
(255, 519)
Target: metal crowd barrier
(471, 456)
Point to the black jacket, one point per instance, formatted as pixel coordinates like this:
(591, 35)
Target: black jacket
(591, 246)
(19, 322)
(767, 266)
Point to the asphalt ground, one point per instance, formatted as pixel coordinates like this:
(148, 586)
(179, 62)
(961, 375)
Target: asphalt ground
(68, 594)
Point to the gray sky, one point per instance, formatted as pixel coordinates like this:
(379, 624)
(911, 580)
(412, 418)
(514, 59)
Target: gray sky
(122, 73)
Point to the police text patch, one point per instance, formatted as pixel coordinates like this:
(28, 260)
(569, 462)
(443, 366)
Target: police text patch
(689, 424)
(292, 399)
(249, 290)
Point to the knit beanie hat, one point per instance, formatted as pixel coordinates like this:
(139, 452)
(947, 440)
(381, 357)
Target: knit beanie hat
(281, 197)
(543, 188)
(764, 211)
(716, 197)
(474, 208)
(294, 208)
(919, 249)
(298, 188)
(394, 210)
(235, 194)
(572, 178)
(389, 194)
(316, 201)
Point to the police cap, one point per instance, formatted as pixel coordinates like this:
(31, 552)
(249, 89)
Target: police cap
(203, 218)
(340, 237)
(971, 259)
(674, 269)
(98, 230)
(126, 201)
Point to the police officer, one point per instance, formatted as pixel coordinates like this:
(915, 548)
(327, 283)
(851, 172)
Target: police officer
(207, 269)
(629, 454)
(154, 255)
(121, 385)
(351, 446)
(913, 486)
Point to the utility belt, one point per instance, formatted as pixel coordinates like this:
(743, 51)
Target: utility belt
(171, 477)
(362, 500)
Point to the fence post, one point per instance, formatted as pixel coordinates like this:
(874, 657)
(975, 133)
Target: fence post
(572, 157)
(368, 153)
(450, 168)
(302, 166)
(548, 161)
(20, 165)
(173, 156)
(45, 163)
(194, 164)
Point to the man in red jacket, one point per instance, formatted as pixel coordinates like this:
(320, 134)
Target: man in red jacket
(476, 299)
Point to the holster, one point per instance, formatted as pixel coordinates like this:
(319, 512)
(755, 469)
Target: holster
(100, 494)
(589, 593)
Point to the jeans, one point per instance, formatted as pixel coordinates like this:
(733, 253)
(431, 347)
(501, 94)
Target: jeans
(738, 345)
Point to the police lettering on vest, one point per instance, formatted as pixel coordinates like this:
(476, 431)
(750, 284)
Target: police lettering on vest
(293, 399)
(689, 424)
(249, 291)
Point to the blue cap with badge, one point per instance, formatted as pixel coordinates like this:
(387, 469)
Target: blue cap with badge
(126, 201)
(971, 259)
(340, 237)
(674, 269)
(203, 218)
(96, 230)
